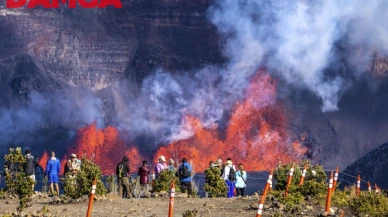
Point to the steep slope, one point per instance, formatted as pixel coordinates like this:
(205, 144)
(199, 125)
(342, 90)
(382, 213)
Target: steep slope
(372, 167)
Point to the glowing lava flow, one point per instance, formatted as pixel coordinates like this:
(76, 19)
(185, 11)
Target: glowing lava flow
(105, 146)
(256, 136)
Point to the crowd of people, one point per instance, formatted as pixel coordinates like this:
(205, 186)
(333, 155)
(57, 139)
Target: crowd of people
(184, 172)
(235, 180)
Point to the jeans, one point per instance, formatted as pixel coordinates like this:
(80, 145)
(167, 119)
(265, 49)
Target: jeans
(240, 192)
(230, 188)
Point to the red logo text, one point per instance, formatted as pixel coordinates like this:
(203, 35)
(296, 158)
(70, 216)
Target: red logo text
(71, 3)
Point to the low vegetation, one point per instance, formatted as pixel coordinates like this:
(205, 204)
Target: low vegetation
(163, 182)
(314, 192)
(214, 185)
(81, 184)
(370, 204)
(16, 181)
(190, 213)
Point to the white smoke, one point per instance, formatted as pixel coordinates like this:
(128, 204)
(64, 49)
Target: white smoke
(23, 126)
(297, 38)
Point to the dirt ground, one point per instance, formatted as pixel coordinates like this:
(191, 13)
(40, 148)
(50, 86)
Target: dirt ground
(142, 207)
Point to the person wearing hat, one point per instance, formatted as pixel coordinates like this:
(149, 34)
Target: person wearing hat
(229, 175)
(73, 165)
(161, 165)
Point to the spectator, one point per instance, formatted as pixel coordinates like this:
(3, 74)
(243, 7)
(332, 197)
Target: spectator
(53, 168)
(122, 172)
(218, 164)
(241, 181)
(229, 175)
(171, 167)
(184, 173)
(10, 169)
(73, 165)
(161, 165)
(29, 166)
(143, 173)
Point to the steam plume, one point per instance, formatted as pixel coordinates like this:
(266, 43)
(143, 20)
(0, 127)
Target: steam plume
(298, 38)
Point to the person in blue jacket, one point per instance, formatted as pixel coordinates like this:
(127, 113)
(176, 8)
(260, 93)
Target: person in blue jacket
(53, 168)
(184, 174)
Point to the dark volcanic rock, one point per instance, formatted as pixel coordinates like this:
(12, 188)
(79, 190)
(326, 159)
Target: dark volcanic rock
(341, 137)
(372, 167)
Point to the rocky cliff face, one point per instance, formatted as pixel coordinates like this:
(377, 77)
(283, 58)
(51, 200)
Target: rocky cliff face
(43, 49)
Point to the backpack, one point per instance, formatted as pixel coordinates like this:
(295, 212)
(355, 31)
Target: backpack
(232, 174)
(185, 173)
(121, 170)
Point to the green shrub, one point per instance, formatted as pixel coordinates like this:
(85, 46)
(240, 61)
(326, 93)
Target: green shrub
(215, 186)
(370, 203)
(190, 213)
(293, 198)
(277, 214)
(281, 176)
(81, 184)
(315, 185)
(17, 182)
(312, 188)
(340, 198)
(163, 182)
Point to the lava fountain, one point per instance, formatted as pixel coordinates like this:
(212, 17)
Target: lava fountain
(105, 147)
(256, 136)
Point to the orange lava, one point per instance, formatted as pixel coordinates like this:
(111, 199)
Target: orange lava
(43, 160)
(105, 146)
(256, 136)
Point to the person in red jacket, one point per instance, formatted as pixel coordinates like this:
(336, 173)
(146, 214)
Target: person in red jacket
(143, 173)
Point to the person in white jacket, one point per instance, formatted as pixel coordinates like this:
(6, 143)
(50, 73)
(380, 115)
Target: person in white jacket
(229, 179)
(241, 181)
